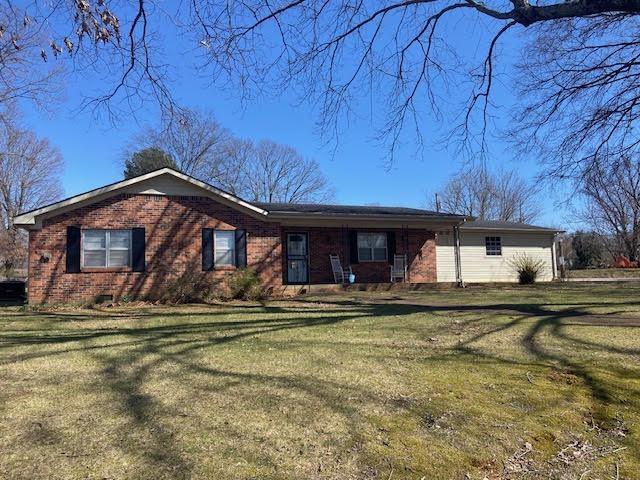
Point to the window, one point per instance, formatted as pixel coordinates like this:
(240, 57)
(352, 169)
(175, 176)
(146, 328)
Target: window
(494, 245)
(106, 248)
(224, 249)
(372, 247)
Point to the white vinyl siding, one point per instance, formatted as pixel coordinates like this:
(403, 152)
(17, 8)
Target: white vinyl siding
(224, 249)
(165, 185)
(479, 267)
(445, 258)
(106, 248)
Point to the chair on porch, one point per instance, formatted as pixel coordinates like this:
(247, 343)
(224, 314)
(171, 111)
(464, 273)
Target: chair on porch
(399, 268)
(340, 275)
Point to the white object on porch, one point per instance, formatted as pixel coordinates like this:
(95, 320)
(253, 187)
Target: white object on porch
(399, 268)
(340, 275)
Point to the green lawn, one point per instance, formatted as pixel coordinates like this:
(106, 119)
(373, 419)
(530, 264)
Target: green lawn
(539, 382)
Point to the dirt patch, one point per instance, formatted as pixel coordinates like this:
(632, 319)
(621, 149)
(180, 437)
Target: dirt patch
(614, 427)
(440, 422)
(401, 402)
(562, 375)
(520, 463)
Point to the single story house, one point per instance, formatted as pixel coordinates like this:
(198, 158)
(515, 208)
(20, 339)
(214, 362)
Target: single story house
(134, 236)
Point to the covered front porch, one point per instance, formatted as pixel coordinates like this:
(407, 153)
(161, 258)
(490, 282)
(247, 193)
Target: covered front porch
(368, 252)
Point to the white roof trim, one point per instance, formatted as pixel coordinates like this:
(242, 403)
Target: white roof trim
(31, 218)
(511, 229)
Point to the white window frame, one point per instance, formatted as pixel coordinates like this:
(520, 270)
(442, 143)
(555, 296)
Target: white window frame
(493, 242)
(107, 248)
(233, 248)
(371, 234)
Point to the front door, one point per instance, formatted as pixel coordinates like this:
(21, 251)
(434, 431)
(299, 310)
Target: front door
(297, 258)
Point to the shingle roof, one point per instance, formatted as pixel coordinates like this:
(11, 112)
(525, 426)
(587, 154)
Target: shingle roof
(499, 225)
(325, 209)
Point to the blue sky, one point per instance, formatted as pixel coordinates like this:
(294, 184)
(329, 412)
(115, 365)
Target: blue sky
(91, 147)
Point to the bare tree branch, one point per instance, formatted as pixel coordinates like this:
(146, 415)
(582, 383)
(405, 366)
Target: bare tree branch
(502, 195)
(30, 170)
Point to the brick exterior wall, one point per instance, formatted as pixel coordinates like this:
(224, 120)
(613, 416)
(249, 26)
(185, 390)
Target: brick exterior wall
(173, 228)
(418, 245)
(174, 242)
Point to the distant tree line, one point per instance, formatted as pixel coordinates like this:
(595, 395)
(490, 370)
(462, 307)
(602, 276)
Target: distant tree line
(199, 146)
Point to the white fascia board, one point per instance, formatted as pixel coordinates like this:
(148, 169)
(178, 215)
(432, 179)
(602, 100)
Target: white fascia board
(467, 228)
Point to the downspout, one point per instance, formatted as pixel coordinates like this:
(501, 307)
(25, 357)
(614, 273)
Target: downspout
(406, 249)
(458, 262)
(562, 267)
(554, 267)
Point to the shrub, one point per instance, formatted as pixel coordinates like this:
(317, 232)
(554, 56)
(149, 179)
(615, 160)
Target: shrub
(190, 287)
(527, 268)
(245, 284)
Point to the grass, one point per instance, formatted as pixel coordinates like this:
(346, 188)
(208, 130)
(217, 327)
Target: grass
(539, 382)
(605, 273)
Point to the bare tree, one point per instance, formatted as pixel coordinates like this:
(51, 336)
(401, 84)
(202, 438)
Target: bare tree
(612, 193)
(263, 171)
(30, 171)
(195, 141)
(501, 196)
(278, 173)
(23, 74)
(578, 73)
(238, 156)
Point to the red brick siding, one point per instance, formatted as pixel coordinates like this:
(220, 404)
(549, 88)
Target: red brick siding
(418, 245)
(173, 246)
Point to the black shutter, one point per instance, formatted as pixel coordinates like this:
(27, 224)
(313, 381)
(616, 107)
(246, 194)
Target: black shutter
(73, 249)
(391, 246)
(353, 247)
(138, 249)
(207, 249)
(241, 248)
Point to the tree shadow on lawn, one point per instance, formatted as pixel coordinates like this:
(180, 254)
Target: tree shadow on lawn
(554, 324)
(546, 320)
(127, 365)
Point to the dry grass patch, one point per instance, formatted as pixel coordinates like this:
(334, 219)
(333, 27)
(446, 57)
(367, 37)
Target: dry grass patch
(539, 382)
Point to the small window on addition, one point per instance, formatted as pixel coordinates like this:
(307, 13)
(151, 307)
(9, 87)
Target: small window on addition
(493, 246)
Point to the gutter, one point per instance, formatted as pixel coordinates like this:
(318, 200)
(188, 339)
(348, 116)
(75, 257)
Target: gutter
(365, 216)
(519, 230)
